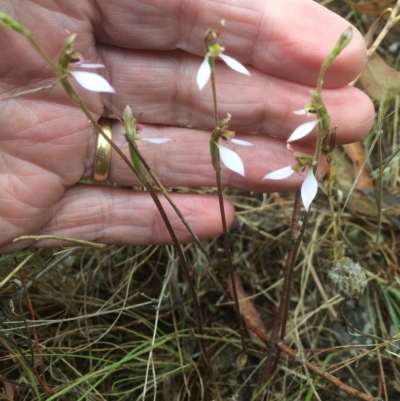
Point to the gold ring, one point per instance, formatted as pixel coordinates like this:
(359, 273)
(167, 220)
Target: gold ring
(102, 157)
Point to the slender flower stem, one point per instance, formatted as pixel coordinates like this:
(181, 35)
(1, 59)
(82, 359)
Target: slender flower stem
(79, 102)
(161, 187)
(328, 149)
(185, 267)
(291, 259)
(7, 21)
(334, 226)
(214, 90)
(324, 121)
(279, 327)
(230, 262)
(217, 167)
(142, 167)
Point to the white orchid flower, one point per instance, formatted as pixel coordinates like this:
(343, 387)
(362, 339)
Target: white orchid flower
(302, 130)
(230, 158)
(309, 187)
(204, 72)
(91, 81)
(158, 141)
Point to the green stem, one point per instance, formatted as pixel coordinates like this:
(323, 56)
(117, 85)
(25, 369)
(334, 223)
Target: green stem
(41, 52)
(279, 327)
(214, 90)
(216, 162)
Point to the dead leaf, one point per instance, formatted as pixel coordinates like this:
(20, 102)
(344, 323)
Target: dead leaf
(373, 7)
(9, 390)
(247, 310)
(362, 201)
(377, 73)
(358, 203)
(356, 153)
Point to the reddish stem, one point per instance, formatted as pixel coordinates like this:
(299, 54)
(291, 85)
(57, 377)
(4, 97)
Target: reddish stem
(279, 327)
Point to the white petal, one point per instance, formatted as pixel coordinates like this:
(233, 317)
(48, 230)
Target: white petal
(85, 65)
(158, 140)
(92, 81)
(121, 141)
(235, 65)
(231, 160)
(241, 143)
(280, 174)
(302, 112)
(302, 130)
(204, 73)
(309, 189)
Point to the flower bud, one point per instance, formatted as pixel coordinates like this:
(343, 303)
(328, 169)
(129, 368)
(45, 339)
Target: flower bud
(348, 278)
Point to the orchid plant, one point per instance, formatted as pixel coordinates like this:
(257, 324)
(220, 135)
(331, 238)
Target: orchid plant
(308, 165)
(316, 107)
(69, 59)
(303, 166)
(132, 129)
(230, 158)
(206, 71)
(221, 134)
(214, 50)
(89, 80)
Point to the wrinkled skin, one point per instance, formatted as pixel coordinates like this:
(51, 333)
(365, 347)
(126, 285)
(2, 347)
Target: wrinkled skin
(152, 50)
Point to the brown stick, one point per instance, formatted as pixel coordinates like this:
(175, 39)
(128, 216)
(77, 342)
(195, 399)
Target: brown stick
(252, 322)
(315, 369)
(389, 25)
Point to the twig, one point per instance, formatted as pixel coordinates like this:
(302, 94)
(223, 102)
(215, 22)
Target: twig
(310, 366)
(322, 373)
(393, 19)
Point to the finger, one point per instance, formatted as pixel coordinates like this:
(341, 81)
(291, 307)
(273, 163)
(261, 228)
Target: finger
(163, 88)
(290, 45)
(110, 215)
(186, 162)
(286, 38)
(267, 103)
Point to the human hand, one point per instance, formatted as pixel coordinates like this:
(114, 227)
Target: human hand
(152, 52)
